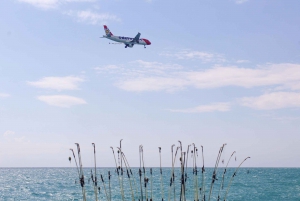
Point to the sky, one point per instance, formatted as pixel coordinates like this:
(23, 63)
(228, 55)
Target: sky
(216, 72)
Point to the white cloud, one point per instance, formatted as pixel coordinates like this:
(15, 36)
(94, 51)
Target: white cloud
(280, 117)
(241, 1)
(277, 76)
(50, 4)
(91, 17)
(4, 95)
(58, 83)
(271, 101)
(154, 68)
(61, 100)
(242, 61)
(142, 75)
(156, 65)
(8, 133)
(108, 69)
(138, 68)
(20, 139)
(219, 107)
(79, 0)
(152, 84)
(189, 54)
(244, 77)
(45, 4)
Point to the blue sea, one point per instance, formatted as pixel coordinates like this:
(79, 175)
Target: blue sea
(62, 184)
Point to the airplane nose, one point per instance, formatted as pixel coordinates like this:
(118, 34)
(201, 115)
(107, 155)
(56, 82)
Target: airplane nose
(147, 41)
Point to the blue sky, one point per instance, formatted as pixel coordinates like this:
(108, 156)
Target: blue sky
(216, 72)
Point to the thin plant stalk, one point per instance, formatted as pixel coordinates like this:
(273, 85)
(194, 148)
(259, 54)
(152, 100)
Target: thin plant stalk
(174, 174)
(203, 177)
(122, 172)
(109, 186)
(214, 176)
(182, 193)
(140, 172)
(75, 162)
(117, 169)
(144, 172)
(95, 179)
(223, 176)
(171, 180)
(186, 163)
(180, 146)
(128, 175)
(104, 187)
(81, 177)
(234, 174)
(126, 161)
(161, 182)
(151, 184)
(195, 171)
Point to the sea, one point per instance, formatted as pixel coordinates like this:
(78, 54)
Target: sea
(37, 184)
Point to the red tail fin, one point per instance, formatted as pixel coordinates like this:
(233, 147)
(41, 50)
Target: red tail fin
(107, 31)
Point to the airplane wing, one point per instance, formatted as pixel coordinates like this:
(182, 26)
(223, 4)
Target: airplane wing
(136, 38)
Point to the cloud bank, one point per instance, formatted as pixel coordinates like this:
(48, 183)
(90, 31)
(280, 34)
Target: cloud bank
(271, 101)
(199, 55)
(90, 17)
(50, 4)
(8, 133)
(281, 80)
(64, 101)
(4, 95)
(58, 83)
(219, 107)
(276, 76)
(85, 16)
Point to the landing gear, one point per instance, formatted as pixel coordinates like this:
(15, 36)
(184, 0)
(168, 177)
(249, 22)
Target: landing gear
(144, 46)
(126, 46)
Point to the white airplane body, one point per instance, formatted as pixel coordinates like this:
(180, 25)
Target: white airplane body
(129, 42)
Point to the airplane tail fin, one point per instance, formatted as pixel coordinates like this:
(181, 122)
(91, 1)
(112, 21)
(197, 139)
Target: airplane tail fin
(107, 31)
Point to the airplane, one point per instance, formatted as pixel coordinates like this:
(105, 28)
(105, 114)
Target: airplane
(129, 42)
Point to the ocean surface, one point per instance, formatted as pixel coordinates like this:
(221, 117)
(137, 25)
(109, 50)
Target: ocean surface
(62, 184)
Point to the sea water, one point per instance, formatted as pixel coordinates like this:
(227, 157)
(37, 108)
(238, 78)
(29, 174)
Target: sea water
(249, 184)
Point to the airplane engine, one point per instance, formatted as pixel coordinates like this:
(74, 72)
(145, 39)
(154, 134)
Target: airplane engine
(129, 45)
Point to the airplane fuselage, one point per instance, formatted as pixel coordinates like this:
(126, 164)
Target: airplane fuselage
(128, 41)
